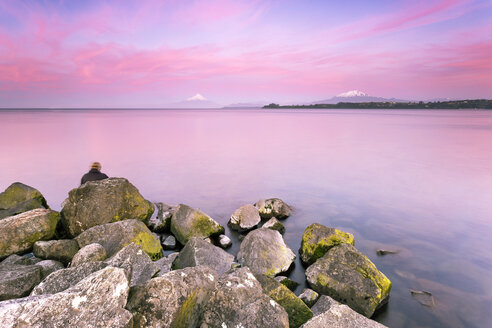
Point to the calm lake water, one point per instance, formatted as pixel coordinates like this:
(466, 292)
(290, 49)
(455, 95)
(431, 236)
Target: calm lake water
(413, 181)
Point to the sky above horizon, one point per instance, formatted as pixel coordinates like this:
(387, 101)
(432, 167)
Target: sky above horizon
(153, 53)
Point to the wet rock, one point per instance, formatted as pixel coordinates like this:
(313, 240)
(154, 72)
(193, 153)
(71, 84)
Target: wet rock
(19, 233)
(188, 222)
(96, 301)
(264, 251)
(423, 297)
(298, 312)
(239, 301)
(351, 278)
(318, 239)
(63, 279)
(58, 250)
(274, 224)
(175, 299)
(164, 264)
(245, 218)
(198, 252)
(169, 242)
(382, 252)
(323, 304)
(309, 297)
(162, 223)
(90, 253)
(136, 263)
(104, 201)
(115, 236)
(273, 207)
(48, 267)
(224, 241)
(25, 206)
(291, 284)
(18, 193)
(18, 280)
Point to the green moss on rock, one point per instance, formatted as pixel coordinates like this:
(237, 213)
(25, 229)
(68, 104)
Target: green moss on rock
(18, 193)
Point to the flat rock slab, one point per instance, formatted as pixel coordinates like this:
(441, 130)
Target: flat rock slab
(351, 278)
(273, 207)
(264, 251)
(245, 218)
(104, 201)
(188, 222)
(115, 236)
(18, 280)
(19, 233)
(59, 250)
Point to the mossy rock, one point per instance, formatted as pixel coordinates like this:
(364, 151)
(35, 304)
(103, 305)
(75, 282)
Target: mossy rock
(296, 309)
(22, 207)
(188, 222)
(349, 277)
(18, 193)
(273, 207)
(318, 239)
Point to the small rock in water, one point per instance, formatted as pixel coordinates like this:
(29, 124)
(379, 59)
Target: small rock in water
(382, 252)
(274, 224)
(245, 218)
(273, 207)
(224, 241)
(168, 242)
(309, 297)
(423, 297)
(291, 284)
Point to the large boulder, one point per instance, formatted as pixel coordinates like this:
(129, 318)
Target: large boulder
(245, 218)
(162, 222)
(351, 278)
(89, 253)
(136, 263)
(188, 222)
(25, 206)
(298, 312)
(115, 236)
(103, 201)
(18, 193)
(273, 207)
(239, 301)
(199, 252)
(175, 299)
(264, 251)
(318, 239)
(59, 250)
(19, 233)
(96, 301)
(341, 316)
(18, 280)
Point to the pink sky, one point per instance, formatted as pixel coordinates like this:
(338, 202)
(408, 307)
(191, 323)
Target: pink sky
(152, 53)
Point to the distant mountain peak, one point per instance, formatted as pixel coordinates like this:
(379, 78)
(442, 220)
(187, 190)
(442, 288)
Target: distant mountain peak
(197, 97)
(353, 93)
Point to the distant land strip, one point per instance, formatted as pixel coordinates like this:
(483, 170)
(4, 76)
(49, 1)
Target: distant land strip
(455, 104)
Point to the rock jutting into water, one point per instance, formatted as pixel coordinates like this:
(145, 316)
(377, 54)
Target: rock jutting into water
(273, 207)
(245, 218)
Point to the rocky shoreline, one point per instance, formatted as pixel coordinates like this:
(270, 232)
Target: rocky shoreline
(100, 263)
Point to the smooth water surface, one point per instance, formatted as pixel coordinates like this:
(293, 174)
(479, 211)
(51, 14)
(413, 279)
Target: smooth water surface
(419, 182)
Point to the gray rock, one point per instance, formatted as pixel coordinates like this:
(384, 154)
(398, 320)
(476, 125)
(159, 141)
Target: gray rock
(169, 243)
(18, 193)
(273, 207)
(173, 300)
(48, 267)
(16, 259)
(89, 253)
(188, 222)
(162, 223)
(136, 263)
(199, 252)
(423, 297)
(350, 278)
(58, 250)
(63, 279)
(18, 280)
(341, 316)
(245, 218)
(164, 265)
(18, 233)
(323, 304)
(310, 297)
(291, 284)
(104, 201)
(274, 224)
(25, 206)
(224, 241)
(264, 251)
(239, 301)
(115, 236)
(96, 301)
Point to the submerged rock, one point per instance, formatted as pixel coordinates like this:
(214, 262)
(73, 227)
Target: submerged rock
(175, 299)
(162, 223)
(309, 297)
(273, 207)
(58, 250)
(224, 241)
(90, 253)
(188, 222)
(318, 239)
(18, 280)
(382, 252)
(264, 251)
(245, 218)
(274, 224)
(18, 193)
(96, 301)
(103, 201)
(115, 236)
(239, 301)
(351, 278)
(423, 297)
(199, 252)
(298, 312)
(164, 264)
(19, 233)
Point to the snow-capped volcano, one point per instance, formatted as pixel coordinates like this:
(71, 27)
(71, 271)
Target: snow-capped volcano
(197, 97)
(353, 93)
(196, 101)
